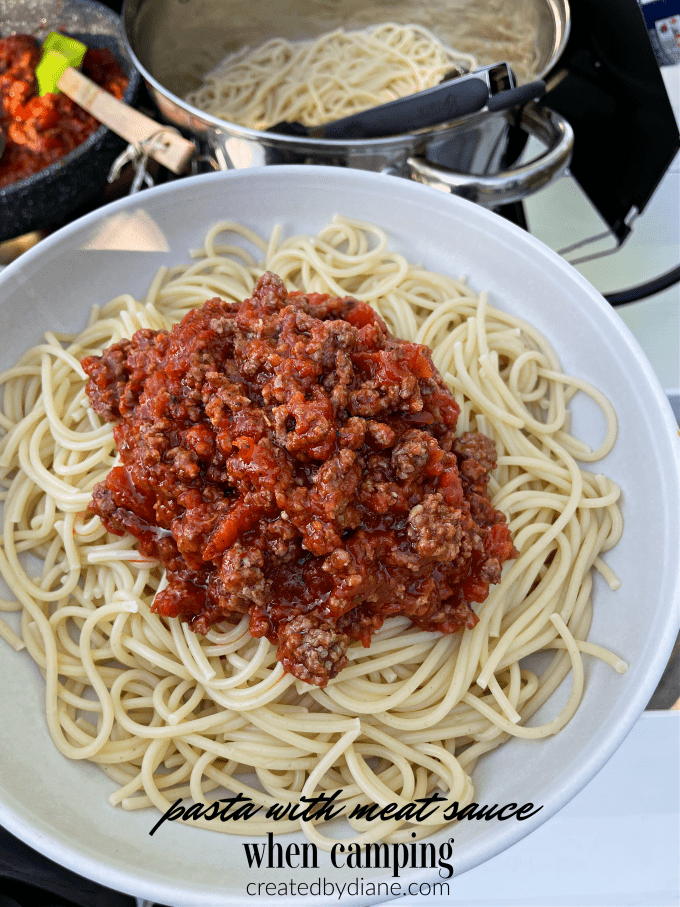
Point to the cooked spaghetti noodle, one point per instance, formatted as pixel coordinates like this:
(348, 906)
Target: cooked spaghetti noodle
(324, 79)
(168, 714)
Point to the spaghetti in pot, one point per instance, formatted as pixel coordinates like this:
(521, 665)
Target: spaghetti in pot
(168, 714)
(325, 78)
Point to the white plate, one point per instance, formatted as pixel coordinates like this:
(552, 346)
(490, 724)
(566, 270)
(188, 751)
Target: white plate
(59, 807)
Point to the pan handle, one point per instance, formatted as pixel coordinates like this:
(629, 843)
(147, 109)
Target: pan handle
(516, 183)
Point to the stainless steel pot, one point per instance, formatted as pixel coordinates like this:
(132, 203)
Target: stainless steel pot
(174, 42)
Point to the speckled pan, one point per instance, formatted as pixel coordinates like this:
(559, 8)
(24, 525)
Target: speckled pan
(46, 199)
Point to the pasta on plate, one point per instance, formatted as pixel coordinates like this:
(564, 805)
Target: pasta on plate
(170, 714)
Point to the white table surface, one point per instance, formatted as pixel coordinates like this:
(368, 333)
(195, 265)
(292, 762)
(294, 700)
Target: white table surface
(617, 843)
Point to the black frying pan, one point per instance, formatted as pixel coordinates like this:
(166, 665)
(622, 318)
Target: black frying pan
(47, 198)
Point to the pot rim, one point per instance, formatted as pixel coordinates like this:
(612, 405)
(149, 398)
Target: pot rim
(562, 30)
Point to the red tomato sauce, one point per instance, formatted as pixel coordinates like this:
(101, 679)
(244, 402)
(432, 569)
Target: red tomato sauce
(288, 458)
(40, 130)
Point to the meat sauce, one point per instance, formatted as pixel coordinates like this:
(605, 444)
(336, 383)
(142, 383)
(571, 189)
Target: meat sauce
(288, 458)
(40, 130)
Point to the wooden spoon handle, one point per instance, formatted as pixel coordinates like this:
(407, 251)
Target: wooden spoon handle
(169, 148)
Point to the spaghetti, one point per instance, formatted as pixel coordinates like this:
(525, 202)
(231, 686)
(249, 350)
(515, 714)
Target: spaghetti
(168, 714)
(326, 78)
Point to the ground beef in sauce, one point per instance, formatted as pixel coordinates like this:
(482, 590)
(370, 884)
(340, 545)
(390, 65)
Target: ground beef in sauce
(287, 458)
(40, 130)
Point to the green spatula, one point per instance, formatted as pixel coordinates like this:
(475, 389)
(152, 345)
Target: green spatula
(58, 53)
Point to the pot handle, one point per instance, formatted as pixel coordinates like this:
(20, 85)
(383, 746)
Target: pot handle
(516, 183)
